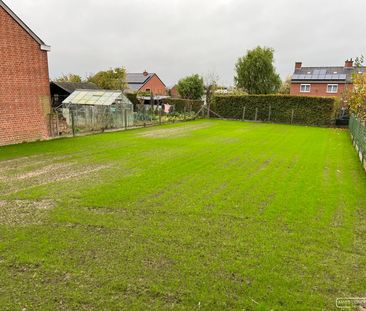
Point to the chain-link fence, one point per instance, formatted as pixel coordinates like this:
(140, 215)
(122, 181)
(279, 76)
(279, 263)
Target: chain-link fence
(358, 134)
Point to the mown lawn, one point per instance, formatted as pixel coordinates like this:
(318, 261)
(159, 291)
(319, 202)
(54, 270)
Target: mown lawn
(206, 215)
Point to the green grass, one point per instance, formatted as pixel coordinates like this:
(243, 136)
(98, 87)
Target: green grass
(206, 215)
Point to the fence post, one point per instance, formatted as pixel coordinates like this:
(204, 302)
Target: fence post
(152, 105)
(72, 123)
(269, 113)
(184, 112)
(292, 116)
(256, 114)
(160, 110)
(244, 108)
(125, 116)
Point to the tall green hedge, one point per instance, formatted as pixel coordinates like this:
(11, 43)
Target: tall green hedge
(277, 108)
(179, 104)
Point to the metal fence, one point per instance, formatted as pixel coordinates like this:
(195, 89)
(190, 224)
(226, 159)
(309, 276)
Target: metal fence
(358, 133)
(83, 119)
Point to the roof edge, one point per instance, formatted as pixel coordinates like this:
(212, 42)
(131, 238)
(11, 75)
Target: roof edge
(43, 46)
(159, 79)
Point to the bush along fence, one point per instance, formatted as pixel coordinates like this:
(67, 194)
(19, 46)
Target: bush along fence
(315, 111)
(358, 134)
(184, 105)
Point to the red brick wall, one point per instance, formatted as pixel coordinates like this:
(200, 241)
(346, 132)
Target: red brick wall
(174, 92)
(24, 85)
(156, 86)
(317, 89)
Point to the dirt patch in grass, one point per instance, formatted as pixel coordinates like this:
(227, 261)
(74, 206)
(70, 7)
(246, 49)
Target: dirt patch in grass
(24, 212)
(266, 202)
(175, 131)
(43, 170)
(161, 263)
(50, 174)
(20, 161)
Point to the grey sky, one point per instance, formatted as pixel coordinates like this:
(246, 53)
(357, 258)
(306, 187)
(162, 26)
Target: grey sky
(175, 38)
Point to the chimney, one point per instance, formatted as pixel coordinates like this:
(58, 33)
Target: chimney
(298, 65)
(145, 73)
(348, 63)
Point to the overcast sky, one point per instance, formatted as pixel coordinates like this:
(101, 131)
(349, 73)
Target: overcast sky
(175, 38)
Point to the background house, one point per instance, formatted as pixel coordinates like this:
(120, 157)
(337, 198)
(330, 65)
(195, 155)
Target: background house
(322, 81)
(145, 82)
(174, 92)
(24, 81)
(61, 90)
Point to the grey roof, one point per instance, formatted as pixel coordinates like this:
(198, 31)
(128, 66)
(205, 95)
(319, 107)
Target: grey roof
(72, 86)
(138, 78)
(337, 73)
(96, 97)
(25, 27)
(134, 86)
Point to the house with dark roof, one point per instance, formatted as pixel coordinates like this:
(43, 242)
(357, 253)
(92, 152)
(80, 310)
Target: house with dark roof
(61, 90)
(145, 82)
(24, 81)
(323, 81)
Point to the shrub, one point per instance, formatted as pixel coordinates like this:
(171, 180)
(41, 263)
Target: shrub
(179, 104)
(133, 98)
(277, 108)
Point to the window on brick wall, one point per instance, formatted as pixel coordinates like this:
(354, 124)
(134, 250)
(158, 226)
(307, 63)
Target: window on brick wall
(305, 88)
(332, 88)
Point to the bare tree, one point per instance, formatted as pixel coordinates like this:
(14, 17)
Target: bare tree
(211, 81)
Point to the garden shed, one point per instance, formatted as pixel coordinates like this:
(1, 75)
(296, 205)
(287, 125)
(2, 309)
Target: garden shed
(89, 110)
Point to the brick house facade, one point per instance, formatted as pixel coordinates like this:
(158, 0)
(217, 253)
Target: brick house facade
(24, 81)
(146, 82)
(174, 92)
(323, 81)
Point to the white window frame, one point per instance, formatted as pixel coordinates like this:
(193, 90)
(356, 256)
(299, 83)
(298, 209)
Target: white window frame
(305, 85)
(332, 90)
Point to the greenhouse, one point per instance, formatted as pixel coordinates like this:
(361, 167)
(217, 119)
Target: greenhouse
(91, 110)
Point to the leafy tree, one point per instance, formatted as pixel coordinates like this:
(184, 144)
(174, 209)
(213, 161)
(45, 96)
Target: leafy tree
(191, 87)
(112, 79)
(285, 86)
(255, 72)
(69, 78)
(358, 94)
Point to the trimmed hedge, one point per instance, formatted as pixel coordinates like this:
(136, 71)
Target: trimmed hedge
(277, 108)
(179, 104)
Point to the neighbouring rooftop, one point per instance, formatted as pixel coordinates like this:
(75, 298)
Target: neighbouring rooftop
(326, 73)
(73, 86)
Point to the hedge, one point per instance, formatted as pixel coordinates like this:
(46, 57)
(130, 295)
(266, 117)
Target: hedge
(304, 110)
(179, 104)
